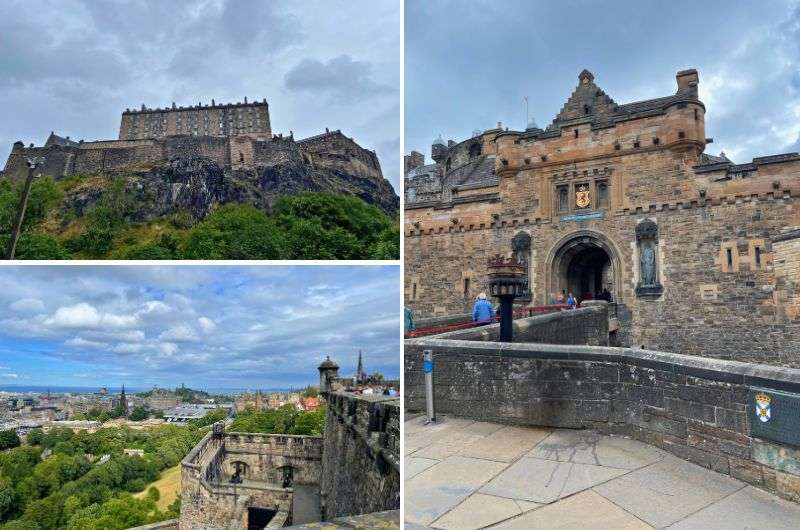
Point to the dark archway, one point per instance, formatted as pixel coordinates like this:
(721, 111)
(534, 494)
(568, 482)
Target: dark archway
(584, 263)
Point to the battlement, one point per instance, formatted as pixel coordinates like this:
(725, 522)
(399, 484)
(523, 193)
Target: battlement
(213, 105)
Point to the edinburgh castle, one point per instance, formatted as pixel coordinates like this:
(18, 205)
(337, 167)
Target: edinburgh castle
(699, 255)
(236, 138)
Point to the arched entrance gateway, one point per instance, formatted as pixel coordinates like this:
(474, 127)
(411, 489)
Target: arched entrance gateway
(584, 263)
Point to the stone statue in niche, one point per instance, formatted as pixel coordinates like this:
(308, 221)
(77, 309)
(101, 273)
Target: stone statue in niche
(648, 261)
(521, 245)
(647, 241)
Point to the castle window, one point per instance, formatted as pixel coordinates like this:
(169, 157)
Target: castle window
(576, 133)
(562, 192)
(758, 257)
(681, 134)
(695, 115)
(636, 144)
(466, 288)
(586, 109)
(656, 141)
(602, 194)
(414, 291)
(729, 254)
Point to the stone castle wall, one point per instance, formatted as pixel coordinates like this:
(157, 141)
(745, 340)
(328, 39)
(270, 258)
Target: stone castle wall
(332, 151)
(585, 326)
(209, 501)
(697, 409)
(361, 462)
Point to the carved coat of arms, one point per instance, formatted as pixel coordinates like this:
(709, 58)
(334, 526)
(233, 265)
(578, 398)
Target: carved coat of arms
(582, 197)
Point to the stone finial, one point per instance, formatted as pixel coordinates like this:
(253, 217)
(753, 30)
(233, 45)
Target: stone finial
(585, 76)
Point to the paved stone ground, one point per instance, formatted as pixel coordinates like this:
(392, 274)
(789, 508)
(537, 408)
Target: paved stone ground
(462, 474)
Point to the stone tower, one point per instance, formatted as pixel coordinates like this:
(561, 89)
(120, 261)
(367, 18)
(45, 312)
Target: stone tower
(361, 375)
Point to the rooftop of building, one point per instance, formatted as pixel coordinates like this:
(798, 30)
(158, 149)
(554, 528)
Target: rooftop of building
(200, 106)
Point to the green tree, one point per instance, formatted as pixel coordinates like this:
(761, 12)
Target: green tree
(310, 391)
(139, 413)
(35, 437)
(153, 494)
(9, 439)
(236, 231)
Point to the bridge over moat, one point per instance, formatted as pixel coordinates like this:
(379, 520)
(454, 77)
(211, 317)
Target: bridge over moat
(558, 428)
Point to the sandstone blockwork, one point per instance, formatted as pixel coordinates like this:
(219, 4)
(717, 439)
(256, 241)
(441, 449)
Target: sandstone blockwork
(353, 469)
(698, 254)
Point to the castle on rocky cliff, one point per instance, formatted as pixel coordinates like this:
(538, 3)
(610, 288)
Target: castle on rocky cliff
(237, 135)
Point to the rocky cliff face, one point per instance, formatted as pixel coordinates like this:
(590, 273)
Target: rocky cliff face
(196, 184)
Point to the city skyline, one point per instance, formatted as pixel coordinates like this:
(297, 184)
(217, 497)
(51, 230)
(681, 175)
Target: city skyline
(208, 327)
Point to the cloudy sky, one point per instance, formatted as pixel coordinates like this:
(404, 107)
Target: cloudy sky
(468, 65)
(74, 65)
(208, 327)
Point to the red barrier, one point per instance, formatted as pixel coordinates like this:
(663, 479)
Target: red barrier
(518, 313)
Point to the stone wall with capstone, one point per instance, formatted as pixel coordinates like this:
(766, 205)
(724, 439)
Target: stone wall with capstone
(699, 409)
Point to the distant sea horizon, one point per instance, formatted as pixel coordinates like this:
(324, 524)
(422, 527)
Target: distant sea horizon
(75, 389)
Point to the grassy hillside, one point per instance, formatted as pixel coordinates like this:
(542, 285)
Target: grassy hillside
(168, 486)
(93, 217)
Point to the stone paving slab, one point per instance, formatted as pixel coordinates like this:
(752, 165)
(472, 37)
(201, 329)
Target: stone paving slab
(747, 509)
(480, 510)
(585, 511)
(451, 445)
(546, 481)
(413, 466)
(667, 491)
(438, 489)
(500, 473)
(506, 444)
(588, 447)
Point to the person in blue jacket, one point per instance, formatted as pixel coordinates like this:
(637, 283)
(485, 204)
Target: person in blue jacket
(482, 311)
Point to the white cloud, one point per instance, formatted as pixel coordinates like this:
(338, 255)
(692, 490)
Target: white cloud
(206, 324)
(125, 347)
(80, 342)
(11, 375)
(27, 305)
(168, 349)
(180, 333)
(84, 315)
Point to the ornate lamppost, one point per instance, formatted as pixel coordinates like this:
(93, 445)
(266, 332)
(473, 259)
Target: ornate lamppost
(33, 163)
(508, 279)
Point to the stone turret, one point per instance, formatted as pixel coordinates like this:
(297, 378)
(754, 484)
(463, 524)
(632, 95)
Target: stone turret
(328, 371)
(438, 150)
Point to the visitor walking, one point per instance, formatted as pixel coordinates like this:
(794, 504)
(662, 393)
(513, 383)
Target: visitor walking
(571, 302)
(482, 311)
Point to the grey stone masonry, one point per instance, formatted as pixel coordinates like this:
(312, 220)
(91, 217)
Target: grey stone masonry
(693, 407)
(361, 455)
